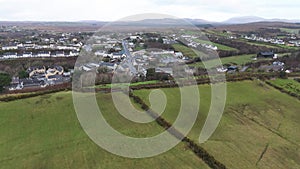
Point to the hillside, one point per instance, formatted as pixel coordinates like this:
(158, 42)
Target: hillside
(258, 128)
(43, 132)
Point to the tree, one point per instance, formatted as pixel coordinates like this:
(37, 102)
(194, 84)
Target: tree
(150, 74)
(23, 74)
(160, 40)
(5, 80)
(134, 41)
(283, 75)
(102, 70)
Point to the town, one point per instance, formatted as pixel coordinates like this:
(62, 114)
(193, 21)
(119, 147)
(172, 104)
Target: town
(138, 53)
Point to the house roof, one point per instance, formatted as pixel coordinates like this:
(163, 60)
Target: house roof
(266, 53)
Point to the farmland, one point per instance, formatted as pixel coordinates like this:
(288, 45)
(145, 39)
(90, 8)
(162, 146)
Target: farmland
(289, 30)
(287, 85)
(220, 46)
(235, 60)
(258, 128)
(43, 132)
(185, 50)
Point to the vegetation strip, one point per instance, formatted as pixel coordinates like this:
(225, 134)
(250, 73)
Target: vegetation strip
(199, 151)
(18, 96)
(262, 154)
(283, 90)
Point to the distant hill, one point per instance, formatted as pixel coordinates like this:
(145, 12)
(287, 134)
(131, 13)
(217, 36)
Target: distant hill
(252, 19)
(236, 23)
(253, 26)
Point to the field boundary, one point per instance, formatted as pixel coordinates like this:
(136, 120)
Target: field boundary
(198, 150)
(283, 90)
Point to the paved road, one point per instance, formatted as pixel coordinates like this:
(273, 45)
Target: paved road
(129, 59)
(244, 68)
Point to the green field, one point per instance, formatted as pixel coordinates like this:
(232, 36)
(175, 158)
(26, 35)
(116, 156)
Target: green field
(292, 31)
(43, 132)
(260, 44)
(218, 33)
(121, 85)
(259, 128)
(220, 46)
(233, 60)
(288, 85)
(185, 50)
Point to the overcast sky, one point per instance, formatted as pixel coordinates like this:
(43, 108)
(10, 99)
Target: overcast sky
(111, 10)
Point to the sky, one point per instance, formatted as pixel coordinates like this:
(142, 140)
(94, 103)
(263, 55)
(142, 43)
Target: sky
(113, 10)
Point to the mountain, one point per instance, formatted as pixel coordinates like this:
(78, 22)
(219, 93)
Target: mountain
(199, 21)
(244, 19)
(252, 19)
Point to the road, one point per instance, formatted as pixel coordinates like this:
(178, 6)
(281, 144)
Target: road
(129, 59)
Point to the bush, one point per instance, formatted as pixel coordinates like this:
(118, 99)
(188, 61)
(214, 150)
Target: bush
(5, 80)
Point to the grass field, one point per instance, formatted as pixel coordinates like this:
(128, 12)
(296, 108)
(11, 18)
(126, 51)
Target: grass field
(105, 86)
(292, 31)
(269, 45)
(259, 128)
(288, 85)
(233, 60)
(215, 32)
(259, 44)
(220, 46)
(43, 132)
(185, 50)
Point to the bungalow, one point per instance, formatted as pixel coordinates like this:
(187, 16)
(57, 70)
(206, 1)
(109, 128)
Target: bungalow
(8, 55)
(135, 37)
(178, 54)
(118, 55)
(111, 66)
(36, 70)
(266, 54)
(74, 53)
(44, 54)
(31, 83)
(89, 67)
(9, 47)
(164, 70)
(232, 69)
(27, 54)
(54, 70)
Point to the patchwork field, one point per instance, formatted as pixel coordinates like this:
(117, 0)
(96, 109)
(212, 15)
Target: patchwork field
(43, 132)
(259, 128)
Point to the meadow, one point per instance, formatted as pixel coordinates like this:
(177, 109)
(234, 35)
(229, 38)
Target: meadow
(220, 46)
(259, 127)
(287, 85)
(232, 60)
(44, 132)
